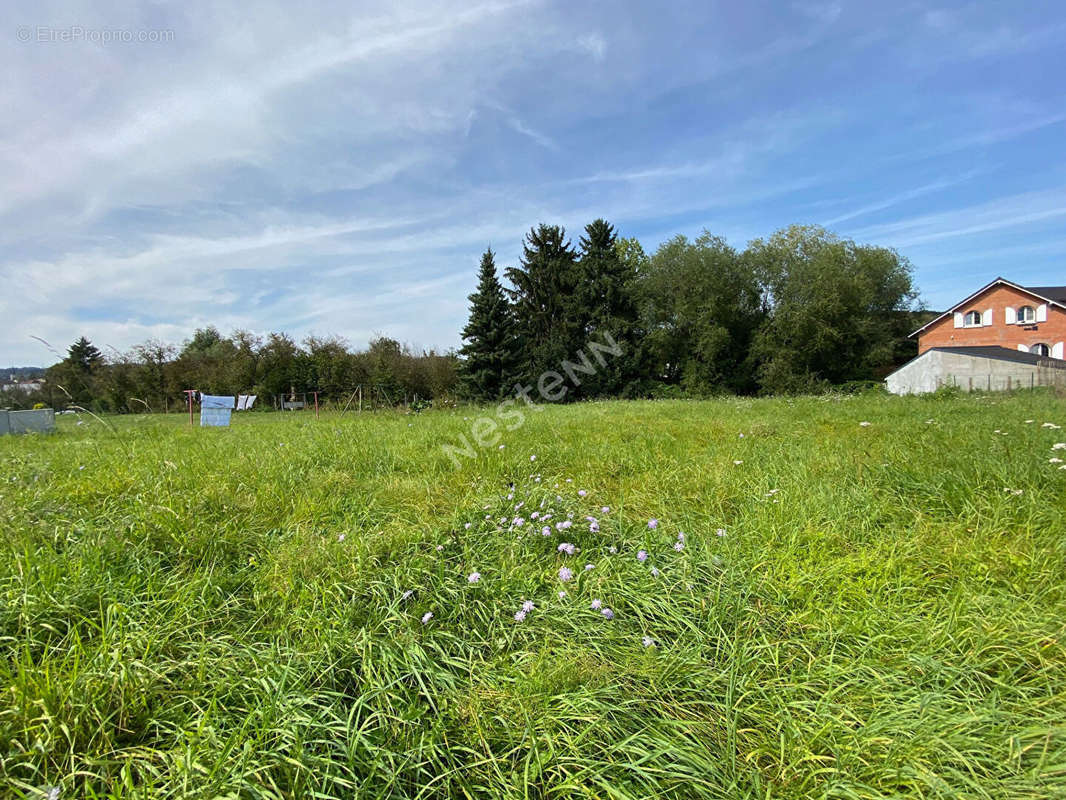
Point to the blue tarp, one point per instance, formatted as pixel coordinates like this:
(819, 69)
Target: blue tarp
(216, 401)
(214, 417)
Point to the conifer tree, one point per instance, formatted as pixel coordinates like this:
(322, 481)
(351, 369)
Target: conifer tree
(606, 295)
(488, 363)
(84, 356)
(549, 318)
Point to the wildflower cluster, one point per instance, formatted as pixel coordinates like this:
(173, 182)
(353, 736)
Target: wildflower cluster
(551, 510)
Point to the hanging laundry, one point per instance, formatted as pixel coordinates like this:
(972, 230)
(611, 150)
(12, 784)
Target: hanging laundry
(244, 402)
(215, 410)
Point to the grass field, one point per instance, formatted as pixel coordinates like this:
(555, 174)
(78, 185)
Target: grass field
(853, 611)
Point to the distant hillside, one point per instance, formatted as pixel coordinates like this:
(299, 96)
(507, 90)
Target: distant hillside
(8, 374)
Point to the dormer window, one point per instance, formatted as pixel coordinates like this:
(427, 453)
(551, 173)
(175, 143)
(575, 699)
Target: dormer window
(972, 319)
(1026, 315)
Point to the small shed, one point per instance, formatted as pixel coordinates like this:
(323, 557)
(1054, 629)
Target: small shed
(988, 368)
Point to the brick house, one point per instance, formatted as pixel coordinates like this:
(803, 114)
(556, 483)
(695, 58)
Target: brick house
(1030, 319)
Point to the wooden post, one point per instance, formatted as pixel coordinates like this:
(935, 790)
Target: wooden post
(360, 397)
(316, 405)
(188, 395)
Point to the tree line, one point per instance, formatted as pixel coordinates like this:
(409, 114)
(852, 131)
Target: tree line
(800, 311)
(153, 376)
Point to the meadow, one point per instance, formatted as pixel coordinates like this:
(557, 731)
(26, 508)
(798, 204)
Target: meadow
(840, 596)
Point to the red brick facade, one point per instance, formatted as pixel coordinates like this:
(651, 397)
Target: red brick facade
(998, 298)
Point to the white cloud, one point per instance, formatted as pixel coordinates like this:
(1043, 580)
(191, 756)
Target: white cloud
(594, 44)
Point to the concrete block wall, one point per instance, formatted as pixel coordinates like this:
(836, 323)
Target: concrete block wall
(5, 426)
(936, 368)
(39, 420)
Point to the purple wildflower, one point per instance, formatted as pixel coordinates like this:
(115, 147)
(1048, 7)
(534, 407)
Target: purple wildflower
(546, 531)
(589, 566)
(653, 523)
(596, 605)
(565, 574)
(679, 546)
(528, 606)
(581, 493)
(642, 556)
(720, 531)
(473, 577)
(562, 594)
(607, 613)
(606, 510)
(566, 547)
(612, 549)
(427, 617)
(520, 616)
(594, 527)
(655, 572)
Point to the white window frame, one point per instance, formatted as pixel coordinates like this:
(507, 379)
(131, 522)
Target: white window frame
(1026, 319)
(1047, 348)
(968, 319)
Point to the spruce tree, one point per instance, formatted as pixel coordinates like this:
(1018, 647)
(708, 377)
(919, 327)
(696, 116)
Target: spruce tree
(84, 356)
(486, 371)
(607, 294)
(76, 375)
(549, 317)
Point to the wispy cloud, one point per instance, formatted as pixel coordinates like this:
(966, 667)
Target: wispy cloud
(1013, 211)
(903, 197)
(594, 44)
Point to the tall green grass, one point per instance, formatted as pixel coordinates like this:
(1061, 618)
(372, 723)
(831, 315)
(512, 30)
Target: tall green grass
(221, 613)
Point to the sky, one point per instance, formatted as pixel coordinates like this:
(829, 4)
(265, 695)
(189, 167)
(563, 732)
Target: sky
(338, 168)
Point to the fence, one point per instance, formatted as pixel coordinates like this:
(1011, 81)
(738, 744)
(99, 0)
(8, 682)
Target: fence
(1044, 374)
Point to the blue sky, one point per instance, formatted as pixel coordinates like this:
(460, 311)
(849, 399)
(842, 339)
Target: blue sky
(339, 168)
